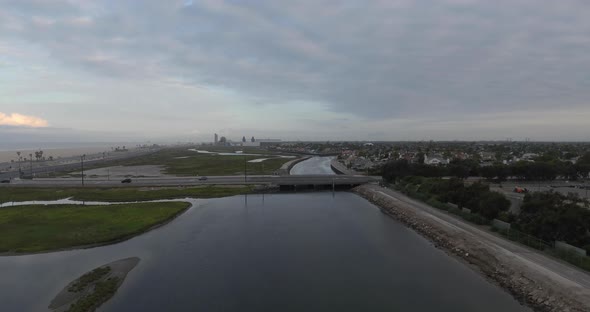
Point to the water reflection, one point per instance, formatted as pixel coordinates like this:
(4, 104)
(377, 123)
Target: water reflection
(272, 252)
(314, 165)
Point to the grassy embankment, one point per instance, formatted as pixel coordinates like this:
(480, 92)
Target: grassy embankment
(102, 289)
(231, 149)
(25, 229)
(9, 194)
(174, 162)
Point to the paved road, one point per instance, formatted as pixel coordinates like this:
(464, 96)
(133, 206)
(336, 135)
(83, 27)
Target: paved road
(532, 257)
(582, 189)
(188, 181)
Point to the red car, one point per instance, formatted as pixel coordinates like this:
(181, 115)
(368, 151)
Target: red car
(520, 190)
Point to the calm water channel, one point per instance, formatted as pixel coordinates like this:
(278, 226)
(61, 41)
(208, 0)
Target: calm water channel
(314, 165)
(280, 252)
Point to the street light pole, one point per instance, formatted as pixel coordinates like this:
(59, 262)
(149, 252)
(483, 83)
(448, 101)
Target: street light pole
(245, 170)
(31, 162)
(82, 161)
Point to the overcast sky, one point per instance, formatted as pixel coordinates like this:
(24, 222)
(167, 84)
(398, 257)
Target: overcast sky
(325, 70)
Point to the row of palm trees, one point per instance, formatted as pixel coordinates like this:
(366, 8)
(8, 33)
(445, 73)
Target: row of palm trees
(22, 158)
(38, 156)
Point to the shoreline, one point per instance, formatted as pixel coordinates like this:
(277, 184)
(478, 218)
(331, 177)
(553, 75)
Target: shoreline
(251, 190)
(529, 287)
(339, 168)
(117, 270)
(106, 243)
(286, 167)
(8, 154)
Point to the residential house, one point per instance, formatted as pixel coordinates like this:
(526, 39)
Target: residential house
(435, 160)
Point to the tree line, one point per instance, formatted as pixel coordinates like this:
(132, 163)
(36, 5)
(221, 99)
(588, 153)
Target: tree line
(522, 170)
(553, 216)
(475, 196)
(549, 216)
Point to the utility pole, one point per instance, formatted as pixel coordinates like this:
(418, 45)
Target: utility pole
(31, 162)
(82, 161)
(245, 170)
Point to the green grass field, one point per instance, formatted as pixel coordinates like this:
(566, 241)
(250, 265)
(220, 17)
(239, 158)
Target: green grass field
(231, 149)
(9, 194)
(201, 164)
(38, 228)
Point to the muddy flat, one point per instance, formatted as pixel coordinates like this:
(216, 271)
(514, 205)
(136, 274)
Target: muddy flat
(79, 291)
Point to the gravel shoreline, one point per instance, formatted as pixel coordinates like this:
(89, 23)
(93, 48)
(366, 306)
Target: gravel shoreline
(528, 286)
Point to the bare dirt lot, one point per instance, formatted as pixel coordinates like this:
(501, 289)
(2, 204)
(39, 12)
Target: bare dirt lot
(126, 171)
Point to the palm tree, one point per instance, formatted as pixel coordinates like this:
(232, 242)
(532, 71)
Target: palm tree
(19, 160)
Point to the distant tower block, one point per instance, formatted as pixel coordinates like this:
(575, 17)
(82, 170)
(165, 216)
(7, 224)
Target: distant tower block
(216, 139)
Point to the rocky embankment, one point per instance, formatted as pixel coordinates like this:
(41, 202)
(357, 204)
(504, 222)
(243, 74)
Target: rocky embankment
(537, 290)
(286, 167)
(339, 168)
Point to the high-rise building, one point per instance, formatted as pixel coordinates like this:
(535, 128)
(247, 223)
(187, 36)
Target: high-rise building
(216, 140)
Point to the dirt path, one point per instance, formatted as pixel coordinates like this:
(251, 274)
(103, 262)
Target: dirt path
(544, 283)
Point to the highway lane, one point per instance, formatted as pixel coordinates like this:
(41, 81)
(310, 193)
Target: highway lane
(190, 181)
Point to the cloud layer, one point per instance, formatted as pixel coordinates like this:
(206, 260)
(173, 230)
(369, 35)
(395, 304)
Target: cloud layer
(16, 119)
(352, 65)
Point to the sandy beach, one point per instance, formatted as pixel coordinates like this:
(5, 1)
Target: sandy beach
(58, 152)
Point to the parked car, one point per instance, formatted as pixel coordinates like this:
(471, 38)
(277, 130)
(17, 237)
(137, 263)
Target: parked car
(5, 181)
(126, 180)
(202, 178)
(520, 190)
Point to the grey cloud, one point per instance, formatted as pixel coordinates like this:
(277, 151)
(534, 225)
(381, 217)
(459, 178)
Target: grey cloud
(378, 59)
(12, 136)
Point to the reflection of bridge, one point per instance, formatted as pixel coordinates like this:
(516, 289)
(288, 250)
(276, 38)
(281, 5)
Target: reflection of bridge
(318, 181)
(282, 181)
